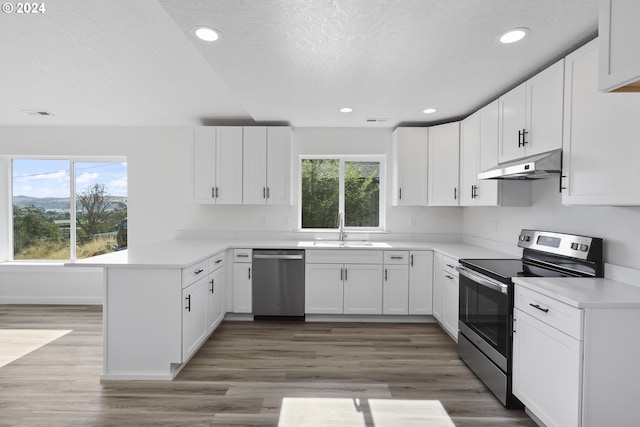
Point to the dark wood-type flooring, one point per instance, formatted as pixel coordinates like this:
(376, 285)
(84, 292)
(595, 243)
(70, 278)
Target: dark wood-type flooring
(387, 374)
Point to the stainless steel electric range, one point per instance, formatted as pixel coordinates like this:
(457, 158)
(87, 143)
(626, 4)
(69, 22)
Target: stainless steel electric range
(486, 299)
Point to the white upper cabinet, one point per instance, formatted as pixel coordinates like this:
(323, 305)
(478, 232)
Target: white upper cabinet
(217, 165)
(601, 137)
(479, 152)
(531, 115)
(469, 162)
(619, 54)
(410, 148)
(267, 165)
(444, 157)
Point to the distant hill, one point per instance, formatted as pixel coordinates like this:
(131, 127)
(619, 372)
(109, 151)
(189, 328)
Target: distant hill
(53, 203)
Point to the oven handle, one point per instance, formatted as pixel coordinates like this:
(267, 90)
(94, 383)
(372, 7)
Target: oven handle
(483, 280)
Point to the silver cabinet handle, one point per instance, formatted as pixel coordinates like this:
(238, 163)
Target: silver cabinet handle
(411, 260)
(341, 274)
(345, 274)
(218, 261)
(242, 256)
(249, 273)
(455, 193)
(212, 286)
(450, 266)
(385, 274)
(448, 276)
(400, 193)
(264, 192)
(198, 271)
(268, 193)
(397, 257)
(213, 192)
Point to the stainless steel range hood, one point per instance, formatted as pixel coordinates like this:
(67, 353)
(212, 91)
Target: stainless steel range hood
(544, 165)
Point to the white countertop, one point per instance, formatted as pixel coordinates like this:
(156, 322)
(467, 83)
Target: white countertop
(581, 292)
(181, 253)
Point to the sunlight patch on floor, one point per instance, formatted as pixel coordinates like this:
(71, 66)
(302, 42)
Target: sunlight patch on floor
(15, 343)
(325, 412)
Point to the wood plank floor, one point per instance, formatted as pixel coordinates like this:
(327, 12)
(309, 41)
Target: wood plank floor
(251, 374)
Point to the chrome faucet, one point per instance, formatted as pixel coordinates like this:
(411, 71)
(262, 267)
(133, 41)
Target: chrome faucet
(341, 233)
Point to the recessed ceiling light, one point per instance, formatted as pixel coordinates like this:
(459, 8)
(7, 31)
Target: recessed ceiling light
(514, 35)
(207, 34)
(346, 109)
(429, 111)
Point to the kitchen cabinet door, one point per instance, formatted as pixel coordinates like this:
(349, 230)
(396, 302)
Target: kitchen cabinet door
(444, 149)
(362, 289)
(215, 294)
(601, 137)
(324, 291)
(545, 92)
(450, 292)
(619, 56)
(254, 184)
(410, 175)
(547, 366)
(488, 190)
(531, 115)
(194, 317)
(395, 296)
(229, 165)
(204, 155)
(279, 165)
(513, 109)
(242, 288)
(438, 285)
(421, 267)
(469, 162)
(267, 165)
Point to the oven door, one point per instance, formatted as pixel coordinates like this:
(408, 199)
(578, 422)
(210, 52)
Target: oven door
(485, 315)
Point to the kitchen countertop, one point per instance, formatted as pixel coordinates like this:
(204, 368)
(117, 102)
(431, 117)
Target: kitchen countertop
(181, 253)
(581, 292)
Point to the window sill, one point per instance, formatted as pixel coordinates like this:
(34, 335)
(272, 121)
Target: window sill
(38, 267)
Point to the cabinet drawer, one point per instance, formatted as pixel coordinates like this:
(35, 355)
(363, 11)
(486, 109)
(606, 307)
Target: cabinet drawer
(216, 261)
(449, 265)
(396, 257)
(242, 255)
(194, 272)
(556, 314)
(343, 256)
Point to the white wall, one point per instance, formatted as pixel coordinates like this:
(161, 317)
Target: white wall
(618, 226)
(159, 198)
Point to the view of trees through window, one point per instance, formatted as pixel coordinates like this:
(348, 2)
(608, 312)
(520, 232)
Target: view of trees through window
(330, 186)
(44, 225)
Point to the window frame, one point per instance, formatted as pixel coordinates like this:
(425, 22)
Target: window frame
(382, 202)
(72, 202)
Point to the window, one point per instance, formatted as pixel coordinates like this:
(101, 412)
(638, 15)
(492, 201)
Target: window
(349, 185)
(45, 227)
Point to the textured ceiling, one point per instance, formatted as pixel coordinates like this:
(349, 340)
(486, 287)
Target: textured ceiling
(278, 61)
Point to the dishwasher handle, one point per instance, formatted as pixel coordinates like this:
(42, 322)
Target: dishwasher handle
(261, 256)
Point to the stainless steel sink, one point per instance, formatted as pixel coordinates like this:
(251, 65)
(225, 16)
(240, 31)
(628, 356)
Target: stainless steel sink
(344, 244)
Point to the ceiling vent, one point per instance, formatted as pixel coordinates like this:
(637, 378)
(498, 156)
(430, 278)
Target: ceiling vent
(38, 113)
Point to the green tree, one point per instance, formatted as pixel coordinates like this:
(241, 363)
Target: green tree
(93, 215)
(361, 194)
(320, 193)
(32, 227)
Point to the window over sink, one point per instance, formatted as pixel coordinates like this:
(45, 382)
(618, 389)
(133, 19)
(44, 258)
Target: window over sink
(351, 185)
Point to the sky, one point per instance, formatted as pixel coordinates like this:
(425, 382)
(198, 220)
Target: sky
(51, 178)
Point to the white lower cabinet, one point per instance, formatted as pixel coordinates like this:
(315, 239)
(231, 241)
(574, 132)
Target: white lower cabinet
(343, 282)
(362, 289)
(421, 282)
(215, 292)
(324, 290)
(576, 366)
(547, 371)
(438, 278)
(242, 281)
(445, 293)
(194, 317)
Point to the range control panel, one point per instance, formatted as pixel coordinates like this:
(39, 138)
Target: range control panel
(570, 245)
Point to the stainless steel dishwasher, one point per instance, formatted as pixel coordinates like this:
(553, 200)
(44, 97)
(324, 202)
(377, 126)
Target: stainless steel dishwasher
(278, 284)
